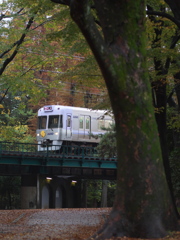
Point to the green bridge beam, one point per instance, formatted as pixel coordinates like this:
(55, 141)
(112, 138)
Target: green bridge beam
(25, 158)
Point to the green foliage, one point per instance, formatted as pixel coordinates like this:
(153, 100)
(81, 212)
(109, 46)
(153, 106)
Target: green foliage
(156, 4)
(94, 191)
(53, 41)
(106, 149)
(163, 60)
(14, 109)
(83, 71)
(17, 133)
(14, 115)
(34, 53)
(94, 188)
(173, 119)
(32, 6)
(107, 146)
(111, 193)
(10, 192)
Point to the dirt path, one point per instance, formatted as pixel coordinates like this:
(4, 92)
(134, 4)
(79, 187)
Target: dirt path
(55, 224)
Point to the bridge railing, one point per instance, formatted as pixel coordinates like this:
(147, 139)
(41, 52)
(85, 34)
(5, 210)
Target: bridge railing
(49, 151)
(16, 147)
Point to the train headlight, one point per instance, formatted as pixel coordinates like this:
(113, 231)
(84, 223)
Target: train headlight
(37, 135)
(56, 133)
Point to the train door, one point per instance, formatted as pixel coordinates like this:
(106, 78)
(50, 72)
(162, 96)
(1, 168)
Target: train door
(68, 125)
(84, 126)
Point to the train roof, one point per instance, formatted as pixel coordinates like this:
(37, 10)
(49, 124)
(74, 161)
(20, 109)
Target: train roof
(55, 107)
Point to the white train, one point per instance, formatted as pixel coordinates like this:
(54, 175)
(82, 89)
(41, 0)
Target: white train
(65, 125)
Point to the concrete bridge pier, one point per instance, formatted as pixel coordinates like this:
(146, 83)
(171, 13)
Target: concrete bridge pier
(41, 191)
(29, 191)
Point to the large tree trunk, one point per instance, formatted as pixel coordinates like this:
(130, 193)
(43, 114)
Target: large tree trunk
(142, 206)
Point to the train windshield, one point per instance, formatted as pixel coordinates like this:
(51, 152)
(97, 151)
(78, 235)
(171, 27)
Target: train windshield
(55, 121)
(42, 122)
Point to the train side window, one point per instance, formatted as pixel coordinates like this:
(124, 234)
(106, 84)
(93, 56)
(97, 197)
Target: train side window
(81, 122)
(42, 122)
(101, 124)
(53, 121)
(68, 120)
(108, 123)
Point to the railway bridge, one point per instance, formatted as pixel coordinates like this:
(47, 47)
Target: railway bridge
(53, 179)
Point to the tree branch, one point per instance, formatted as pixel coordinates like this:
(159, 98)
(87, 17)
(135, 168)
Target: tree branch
(18, 43)
(2, 16)
(81, 14)
(41, 24)
(4, 95)
(8, 50)
(175, 7)
(64, 2)
(162, 14)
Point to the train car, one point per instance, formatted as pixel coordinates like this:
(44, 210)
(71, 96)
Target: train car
(65, 125)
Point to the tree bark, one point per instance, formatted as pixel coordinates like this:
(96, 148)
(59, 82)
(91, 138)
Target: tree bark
(142, 206)
(104, 193)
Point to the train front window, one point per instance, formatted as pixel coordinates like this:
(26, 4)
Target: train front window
(42, 122)
(55, 121)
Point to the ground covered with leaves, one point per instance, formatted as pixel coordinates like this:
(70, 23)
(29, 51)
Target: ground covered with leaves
(56, 224)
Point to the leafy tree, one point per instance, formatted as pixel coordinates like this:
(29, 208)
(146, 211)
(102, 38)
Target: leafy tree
(165, 77)
(142, 206)
(107, 147)
(14, 117)
(6, 49)
(15, 110)
(94, 188)
(15, 134)
(39, 65)
(20, 53)
(10, 192)
(95, 195)
(84, 74)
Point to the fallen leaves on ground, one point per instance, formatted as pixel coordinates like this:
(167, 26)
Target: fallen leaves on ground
(56, 224)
